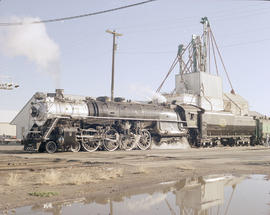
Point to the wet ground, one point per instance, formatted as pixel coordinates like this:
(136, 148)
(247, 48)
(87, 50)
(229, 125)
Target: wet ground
(214, 194)
(191, 181)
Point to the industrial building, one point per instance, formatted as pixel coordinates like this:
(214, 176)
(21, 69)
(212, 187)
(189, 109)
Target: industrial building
(196, 85)
(7, 129)
(22, 121)
(7, 132)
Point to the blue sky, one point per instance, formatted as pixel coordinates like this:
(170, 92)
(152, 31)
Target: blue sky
(151, 34)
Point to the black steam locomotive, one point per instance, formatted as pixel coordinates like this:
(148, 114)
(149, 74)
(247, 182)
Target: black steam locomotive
(61, 123)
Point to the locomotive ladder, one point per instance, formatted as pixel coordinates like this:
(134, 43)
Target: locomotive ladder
(51, 127)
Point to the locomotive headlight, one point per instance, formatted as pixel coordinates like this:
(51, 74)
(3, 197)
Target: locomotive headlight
(37, 111)
(34, 111)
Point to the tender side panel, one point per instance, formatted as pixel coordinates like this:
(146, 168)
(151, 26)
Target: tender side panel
(215, 124)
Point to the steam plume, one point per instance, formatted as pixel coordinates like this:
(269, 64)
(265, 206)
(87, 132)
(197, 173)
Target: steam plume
(178, 144)
(147, 93)
(33, 42)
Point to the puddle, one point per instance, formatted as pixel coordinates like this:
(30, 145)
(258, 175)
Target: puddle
(167, 182)
(219, 195)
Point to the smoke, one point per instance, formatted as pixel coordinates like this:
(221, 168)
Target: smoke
(32, 42)
(147, 93)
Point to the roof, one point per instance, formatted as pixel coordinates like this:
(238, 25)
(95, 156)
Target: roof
(190, 107)
(235, 97)
(13, 121)
(5, 123)
(256, 114)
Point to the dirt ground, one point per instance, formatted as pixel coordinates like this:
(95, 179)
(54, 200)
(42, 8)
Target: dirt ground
(101, 174)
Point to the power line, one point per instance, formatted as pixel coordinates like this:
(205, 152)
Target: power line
(245, 43)
(146, 52)
(171, 52)
(216, 14)
(174, 25)
(76, 17)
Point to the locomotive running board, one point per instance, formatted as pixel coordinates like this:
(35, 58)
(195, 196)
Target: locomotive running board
(117, 118)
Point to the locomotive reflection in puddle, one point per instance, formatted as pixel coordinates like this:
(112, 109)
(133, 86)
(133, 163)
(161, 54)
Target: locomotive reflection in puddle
(198, 195)
(195, 195)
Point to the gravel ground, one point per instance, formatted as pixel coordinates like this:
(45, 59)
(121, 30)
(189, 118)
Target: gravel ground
(101, 174)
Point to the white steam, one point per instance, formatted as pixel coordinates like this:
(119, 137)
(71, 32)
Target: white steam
(181, 143)
(147, 93)
(33, 42)
(176, 145)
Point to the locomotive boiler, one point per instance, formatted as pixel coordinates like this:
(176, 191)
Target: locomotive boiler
(61, 123)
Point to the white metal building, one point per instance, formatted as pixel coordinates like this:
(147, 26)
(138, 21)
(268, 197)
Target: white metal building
(6, 129)
(22, 120)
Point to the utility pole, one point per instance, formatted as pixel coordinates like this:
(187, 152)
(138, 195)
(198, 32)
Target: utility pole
(113, 54)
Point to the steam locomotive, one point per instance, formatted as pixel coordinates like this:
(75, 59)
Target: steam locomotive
(62, 123)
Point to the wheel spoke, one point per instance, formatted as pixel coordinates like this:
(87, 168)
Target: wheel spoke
(128, 142)
(90, 145)
(145, 140)
(111, 140)
(51, 147)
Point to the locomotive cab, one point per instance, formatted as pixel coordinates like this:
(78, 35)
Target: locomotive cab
(191, 115)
